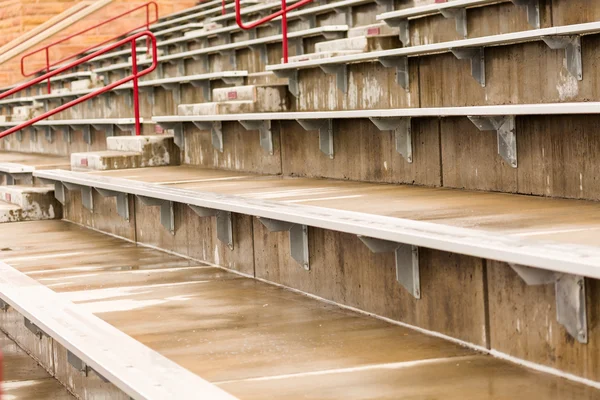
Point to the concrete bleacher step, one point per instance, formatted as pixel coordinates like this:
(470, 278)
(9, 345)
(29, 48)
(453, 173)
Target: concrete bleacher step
(322, 55)
(379, 29)
(125, 152)
(241, 99)
(265, 78)
(28, 203)
(362, 43)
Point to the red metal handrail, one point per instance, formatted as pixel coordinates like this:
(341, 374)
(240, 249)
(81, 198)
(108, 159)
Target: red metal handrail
(46, 49)
(135, 75)
(281, 13)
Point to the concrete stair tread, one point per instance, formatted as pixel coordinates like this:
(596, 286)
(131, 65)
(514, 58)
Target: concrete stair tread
(322, 54)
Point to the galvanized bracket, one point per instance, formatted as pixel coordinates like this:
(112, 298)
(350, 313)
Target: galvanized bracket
(402, 133)
(122, 201)
(109, 130)
(47, 132)
(24, 178)
(506, 134)
(477, 57)
(167, 212)
(389, 4)
(460, 17)
(203, 58)
(224, 223)
(59, 192)
(341, 75)
(262, 49)
(325, 128)
(570, 297)
(347, 11)
(33, 134)
(298, 239)
(266, 134)
(19, 135)
(292, 77)
(34, 328)
(87, 198)
(225, 37)
(66, 131)
(3, 305)
(176, 89)
(87, 134)
(77, 363)
(178, 135)
(149, 90)
(216, 132)
(205, 86)
(311, 19)
(572, 46)
(401, 65)
(533, 11)
(403, 29)
(407, 262)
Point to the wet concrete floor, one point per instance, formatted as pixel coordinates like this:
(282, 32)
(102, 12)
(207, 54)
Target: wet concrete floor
(256, 340)
(561, 220)
(24, 378)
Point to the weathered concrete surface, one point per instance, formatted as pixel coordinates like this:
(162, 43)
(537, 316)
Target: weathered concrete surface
(246, 336)
(536, 217)
(24, 379)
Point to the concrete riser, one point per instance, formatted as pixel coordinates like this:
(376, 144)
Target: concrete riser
(448, 152)
(34, 206)
(479, 301)
(52, 356)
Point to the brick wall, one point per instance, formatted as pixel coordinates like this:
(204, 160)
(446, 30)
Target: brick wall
(20, 16)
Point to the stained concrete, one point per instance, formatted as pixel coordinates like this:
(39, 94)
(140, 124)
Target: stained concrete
(253, 339)
(532, 218)
(23, 378)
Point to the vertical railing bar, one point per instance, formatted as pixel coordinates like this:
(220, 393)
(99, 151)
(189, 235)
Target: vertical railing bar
(136, 100)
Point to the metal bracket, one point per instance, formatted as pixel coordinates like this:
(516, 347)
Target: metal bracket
(266, 134)
(572, 46)
(216, 132)
(401, 65)
(167, 213)
(109, 130)
(402, 133)
(149, 90)
(77, 363)
(233, 80)
(311, 19)
(347, 11)
(205, 86)
(122, 201)
(176, 89)
(506, 133)
(407, 262)
(262, 49)
(477, 57)
(87, 198)
(325, 128)
(87, 134)
(3, 305)
(178, 135)
(48, 133)
(298, 239)
(33, 134)
(59, 192)
(341, 75)
(533, 11)
(292, 77)
(224, 223)
(389, 4)
(570, 297)
(460, 16)
(66, 131)
(34, 328)
(403, 29)
(19, 135)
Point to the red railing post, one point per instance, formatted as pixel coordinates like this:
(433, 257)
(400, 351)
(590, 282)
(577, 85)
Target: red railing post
(281, 13)
(133, 77)
(136, 98)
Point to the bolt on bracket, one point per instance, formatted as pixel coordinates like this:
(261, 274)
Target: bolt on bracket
(216, 132)
(477, 57)
(122, 201)
(407, 262)
(298, 239)
(401, 65)
(506, 135)
(570, 297)
(266, 133)
(325, 128)
(460, 17)
(224, 223)
(341, 75)
(572, 47)
(402, 133)
(86, 194)
(167, 213)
